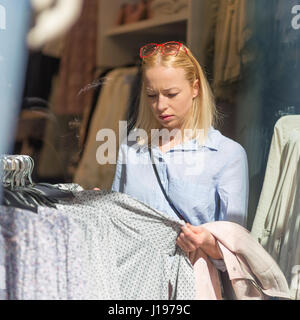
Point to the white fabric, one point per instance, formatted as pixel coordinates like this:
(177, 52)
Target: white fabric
(54, 18)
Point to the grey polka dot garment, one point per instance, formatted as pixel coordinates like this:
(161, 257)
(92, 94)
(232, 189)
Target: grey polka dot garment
(2, 267)
(131, 250)
(41, 256)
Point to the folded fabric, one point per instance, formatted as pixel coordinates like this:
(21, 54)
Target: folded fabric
(167, 7)
(253, 273)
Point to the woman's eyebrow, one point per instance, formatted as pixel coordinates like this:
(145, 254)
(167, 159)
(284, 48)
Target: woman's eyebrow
(150, 89)
(170, 88)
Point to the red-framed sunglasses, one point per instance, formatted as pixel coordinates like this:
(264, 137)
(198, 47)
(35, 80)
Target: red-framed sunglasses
(167, 48)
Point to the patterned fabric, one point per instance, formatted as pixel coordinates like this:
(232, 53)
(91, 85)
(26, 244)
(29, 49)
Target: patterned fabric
(42, 255)
(131, 248)
(110, 246)
(2, 268)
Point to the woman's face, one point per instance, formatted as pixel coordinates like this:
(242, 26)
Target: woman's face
(169, 95)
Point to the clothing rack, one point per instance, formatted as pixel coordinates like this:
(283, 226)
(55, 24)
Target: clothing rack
(20, 191)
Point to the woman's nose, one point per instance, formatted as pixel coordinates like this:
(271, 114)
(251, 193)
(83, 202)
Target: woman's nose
(161, 103)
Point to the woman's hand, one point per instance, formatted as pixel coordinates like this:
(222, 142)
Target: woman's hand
(97, 189)
(193, 237)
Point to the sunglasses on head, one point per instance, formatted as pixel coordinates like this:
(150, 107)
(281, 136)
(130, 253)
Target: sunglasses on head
(167, 48)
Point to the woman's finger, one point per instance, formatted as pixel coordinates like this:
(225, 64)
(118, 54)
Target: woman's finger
(191, 237)
(195, 229)
(186, 243)
(182, 245)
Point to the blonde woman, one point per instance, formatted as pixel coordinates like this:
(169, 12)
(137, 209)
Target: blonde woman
(203, 173)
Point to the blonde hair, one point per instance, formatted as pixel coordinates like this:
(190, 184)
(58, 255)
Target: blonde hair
(203, 113)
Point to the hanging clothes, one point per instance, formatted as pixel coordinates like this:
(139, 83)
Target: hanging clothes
(54, 48)
(269, 88)
(134, 99)
(108, 245)
(276, 224)
(3, 292)
(41, 256)
(112, 107)
(133, 254)
(205, 50)
(131, 248)
(78, 62)
(233, 31)
(89, 111)
(289, 255)
(60, 144)
(39, 74)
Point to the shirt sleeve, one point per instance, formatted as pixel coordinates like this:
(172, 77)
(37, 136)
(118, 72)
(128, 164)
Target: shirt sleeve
(233, 187)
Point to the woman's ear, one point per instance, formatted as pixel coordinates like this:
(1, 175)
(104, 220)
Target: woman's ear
(196, 88)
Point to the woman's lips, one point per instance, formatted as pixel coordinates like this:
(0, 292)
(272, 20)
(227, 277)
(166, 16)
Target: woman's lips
(165, 118)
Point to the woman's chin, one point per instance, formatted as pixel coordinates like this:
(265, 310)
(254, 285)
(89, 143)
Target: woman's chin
(169, 124)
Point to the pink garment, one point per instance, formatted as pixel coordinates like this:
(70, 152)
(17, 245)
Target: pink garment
(253, 273)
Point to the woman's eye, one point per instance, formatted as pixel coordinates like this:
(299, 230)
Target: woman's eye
(172, 95)
(151, 95)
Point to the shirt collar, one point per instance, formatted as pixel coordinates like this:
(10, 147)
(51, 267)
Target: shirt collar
(211, 142)
(213, 139)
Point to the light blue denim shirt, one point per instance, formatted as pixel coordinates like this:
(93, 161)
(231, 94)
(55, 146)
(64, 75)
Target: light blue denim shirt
(206, 182)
